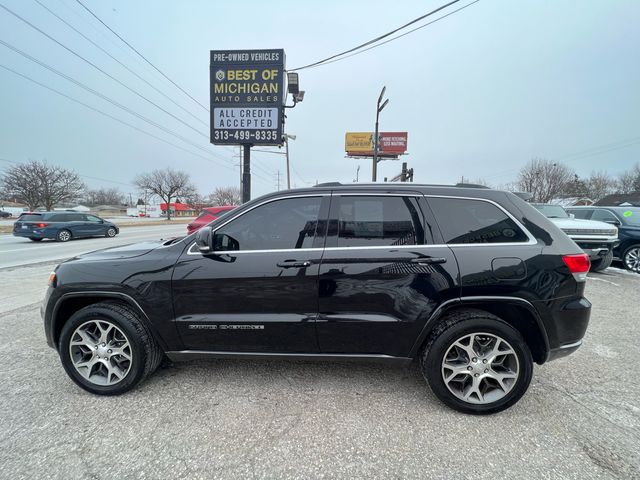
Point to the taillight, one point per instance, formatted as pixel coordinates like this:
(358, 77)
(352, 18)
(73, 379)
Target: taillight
(41, 225)
(52, 279)
(578, 264)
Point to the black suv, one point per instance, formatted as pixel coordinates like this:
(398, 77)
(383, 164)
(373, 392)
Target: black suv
(62, 226)
(474, 283)
(627, 219)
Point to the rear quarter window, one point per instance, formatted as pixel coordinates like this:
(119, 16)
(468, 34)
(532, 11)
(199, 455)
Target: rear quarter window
(30, 218)
(465, 221)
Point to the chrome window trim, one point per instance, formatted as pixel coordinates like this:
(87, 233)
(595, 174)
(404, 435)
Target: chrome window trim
(531, 238)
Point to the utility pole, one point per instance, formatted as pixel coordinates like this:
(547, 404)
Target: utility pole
(278, 176)
(246, 174)
(376, 140)
(403, 173)
(286, 140)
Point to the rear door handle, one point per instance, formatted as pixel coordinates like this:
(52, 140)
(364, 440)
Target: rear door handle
(428, 260)
(294, 264)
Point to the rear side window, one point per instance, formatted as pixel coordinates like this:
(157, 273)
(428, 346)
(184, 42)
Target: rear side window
(30, 218)
(474, 221)
(365, 221)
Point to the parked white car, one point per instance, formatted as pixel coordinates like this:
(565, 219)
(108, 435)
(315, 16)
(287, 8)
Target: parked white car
(597, 239)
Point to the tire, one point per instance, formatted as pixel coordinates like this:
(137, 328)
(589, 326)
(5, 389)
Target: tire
(631, 258)
(144, 353)
(111, 232)
(63, 235)
(35, 239)
(491, 398)
(602, 263)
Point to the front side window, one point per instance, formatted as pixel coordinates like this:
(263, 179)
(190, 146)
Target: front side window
(365, 221)
(279, 225)
(604, 216)
(474, 221)
(93, 218)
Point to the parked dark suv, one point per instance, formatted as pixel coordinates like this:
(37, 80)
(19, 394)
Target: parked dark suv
(474, 283)
(62, 226)
(627, 219)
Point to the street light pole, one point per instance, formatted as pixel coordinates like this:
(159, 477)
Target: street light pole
(286, 141)
(376, 140)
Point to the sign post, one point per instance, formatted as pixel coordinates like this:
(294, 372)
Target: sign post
(247, 101)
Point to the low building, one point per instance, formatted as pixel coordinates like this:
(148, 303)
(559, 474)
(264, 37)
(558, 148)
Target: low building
(178, 210)
(621, 200)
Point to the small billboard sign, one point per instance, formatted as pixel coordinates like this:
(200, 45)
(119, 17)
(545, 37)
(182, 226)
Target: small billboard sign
(391, 144)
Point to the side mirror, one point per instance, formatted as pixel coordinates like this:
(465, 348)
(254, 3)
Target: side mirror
(203, 240)
(571, 215)
(613, 222)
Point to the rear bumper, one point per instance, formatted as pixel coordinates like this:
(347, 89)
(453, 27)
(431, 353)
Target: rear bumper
(567, 322)
(34, 234)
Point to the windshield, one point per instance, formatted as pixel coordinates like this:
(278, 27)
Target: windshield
(552, 211)
(631, 216)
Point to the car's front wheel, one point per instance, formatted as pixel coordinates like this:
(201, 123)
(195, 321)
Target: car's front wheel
(63, 235)
(631, 258)
(602, 263)
(106, 349)
(111, 232)
(477, 363)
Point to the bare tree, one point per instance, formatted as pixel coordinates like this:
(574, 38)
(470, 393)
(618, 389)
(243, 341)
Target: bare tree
(544, 179)
(167, 184)
(40, 184)
(225, 196)
(599, 185)
(629, 181)
(104, 196)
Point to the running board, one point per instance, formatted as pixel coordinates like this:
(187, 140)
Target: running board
(185, 355)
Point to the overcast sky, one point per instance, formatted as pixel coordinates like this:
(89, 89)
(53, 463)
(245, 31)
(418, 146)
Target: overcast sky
(480, 92)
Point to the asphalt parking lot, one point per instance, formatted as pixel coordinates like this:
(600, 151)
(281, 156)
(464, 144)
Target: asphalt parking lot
(256, 419)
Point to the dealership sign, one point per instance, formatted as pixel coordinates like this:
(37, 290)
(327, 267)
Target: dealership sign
(247, 97)
(362, 143)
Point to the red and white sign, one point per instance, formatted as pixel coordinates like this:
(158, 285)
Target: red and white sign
(394, 143)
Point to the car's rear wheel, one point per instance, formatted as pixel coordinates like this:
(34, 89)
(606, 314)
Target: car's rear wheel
(107, 350)
(63, 235)
(111, 232)
(602, 263)
(35, 239)
(631, 258)
(477, 363)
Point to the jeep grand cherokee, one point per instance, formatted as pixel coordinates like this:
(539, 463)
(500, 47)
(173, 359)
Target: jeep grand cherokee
(475, 284)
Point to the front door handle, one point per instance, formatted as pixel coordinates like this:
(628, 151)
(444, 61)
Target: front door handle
(294, 264)
(428, 260)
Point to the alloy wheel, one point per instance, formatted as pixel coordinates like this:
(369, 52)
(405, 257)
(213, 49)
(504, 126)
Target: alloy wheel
(632, 259)
(111, 232)
(480, 368)
(100, 352)
(64, 236)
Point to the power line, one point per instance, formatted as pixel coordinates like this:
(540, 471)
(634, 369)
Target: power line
(118, 61)
(375, 40)
(397, 36)
(102, 71)
(26, 77)
(139, 54)
(104, 97)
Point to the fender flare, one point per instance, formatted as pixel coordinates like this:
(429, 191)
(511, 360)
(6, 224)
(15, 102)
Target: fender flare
(107, 295)
(470, 301)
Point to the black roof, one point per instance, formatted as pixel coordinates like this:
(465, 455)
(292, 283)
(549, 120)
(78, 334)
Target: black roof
(426, 189)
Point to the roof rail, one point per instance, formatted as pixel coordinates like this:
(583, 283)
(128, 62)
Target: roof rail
(471, 185)
(328, 184)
